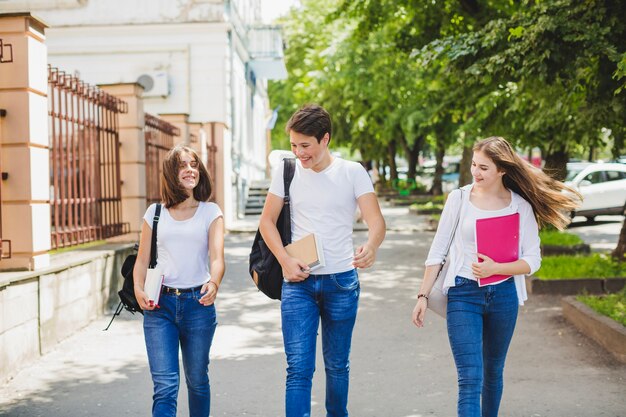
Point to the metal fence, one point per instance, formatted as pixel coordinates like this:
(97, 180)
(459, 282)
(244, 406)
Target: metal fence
(4, 253)
(159, 136)
(85, 185)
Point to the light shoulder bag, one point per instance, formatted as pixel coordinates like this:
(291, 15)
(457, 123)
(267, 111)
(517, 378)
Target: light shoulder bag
(437, 300)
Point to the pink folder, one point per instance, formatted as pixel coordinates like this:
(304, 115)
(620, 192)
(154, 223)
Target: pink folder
(498, 238)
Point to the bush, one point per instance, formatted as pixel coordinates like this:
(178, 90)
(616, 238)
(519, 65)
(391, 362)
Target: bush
(556, 238)
(572, 267)
(612, 305)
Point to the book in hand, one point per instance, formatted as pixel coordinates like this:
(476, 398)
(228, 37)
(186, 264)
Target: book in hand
(152, 285)
(309, 250)
(498, 238)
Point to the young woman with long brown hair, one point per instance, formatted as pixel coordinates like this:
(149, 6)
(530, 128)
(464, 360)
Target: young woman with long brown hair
(481, 319)
(190, 248)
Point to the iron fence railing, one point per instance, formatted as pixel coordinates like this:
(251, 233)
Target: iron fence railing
(159, 136)
(85, 184)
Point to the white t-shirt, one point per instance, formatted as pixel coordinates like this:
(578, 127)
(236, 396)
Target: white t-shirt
(324, 203)
(468, 232)
(183, 246)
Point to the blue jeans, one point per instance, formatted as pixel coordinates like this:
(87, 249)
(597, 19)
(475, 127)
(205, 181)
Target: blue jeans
(183, 321)
(334, 298)
(481, 321)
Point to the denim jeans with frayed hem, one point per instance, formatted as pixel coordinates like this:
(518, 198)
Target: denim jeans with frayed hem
(481, 321)
(180, 321)
(334, 298)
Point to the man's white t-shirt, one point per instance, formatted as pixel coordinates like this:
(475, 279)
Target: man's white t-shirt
(324, 203)
(183, 246)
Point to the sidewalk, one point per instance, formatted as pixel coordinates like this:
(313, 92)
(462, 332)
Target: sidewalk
(396, 369)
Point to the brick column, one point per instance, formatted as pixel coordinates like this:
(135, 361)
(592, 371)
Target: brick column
(132, 156)
(216, 135)
(181, 121)
(24, 142)
(195, 138)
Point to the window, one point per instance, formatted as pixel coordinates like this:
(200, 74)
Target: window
(615, 175)
(594, 177)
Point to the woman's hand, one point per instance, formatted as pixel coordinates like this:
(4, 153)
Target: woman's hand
(486, 268)
(364, 256)
(420, 311)
(142, 299)
(294, 270)
(209, 289)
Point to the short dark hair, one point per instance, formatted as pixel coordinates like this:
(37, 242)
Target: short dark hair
(172, 191)
(310, 120)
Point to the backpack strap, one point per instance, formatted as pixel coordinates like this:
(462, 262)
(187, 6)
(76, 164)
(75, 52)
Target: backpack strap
(153, 244)
(288, 173)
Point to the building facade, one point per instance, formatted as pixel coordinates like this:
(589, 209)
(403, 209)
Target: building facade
(208, 60)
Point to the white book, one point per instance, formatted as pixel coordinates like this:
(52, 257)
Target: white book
(309, 250)
(153, 284)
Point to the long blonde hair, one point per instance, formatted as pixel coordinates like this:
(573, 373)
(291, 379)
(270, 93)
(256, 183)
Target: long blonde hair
(544, 193)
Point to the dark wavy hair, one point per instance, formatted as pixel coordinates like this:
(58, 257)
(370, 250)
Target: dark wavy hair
(172, 192)
(311, 120)
(545, 194)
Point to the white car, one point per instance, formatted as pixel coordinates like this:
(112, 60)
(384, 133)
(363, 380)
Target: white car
(602, 185)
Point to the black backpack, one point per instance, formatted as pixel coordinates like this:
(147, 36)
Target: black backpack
(128, 300)
(265, 270)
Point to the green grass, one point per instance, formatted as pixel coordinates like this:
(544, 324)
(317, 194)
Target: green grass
(572, 267)
(82, 246)
(556, 238)
(611, 305)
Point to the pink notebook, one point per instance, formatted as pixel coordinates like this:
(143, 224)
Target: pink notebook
(498, 238)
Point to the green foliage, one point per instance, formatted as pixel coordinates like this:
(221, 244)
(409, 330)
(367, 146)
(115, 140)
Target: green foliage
(548, 76)
(557, 238)
(572, 267)
(401, 75)
(427, 207)
(611, 305)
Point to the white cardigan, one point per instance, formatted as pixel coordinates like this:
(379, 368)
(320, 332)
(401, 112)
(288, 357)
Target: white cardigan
(529, 239)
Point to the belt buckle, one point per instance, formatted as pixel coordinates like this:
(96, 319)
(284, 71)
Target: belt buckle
(177, 292)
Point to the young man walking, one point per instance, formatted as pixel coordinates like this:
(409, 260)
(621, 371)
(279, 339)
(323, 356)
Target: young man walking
(324, 195)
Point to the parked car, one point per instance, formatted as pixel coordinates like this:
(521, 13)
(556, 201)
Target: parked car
(602, 185)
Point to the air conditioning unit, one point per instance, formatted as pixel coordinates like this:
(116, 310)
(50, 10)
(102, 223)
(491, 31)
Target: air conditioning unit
(155, 84)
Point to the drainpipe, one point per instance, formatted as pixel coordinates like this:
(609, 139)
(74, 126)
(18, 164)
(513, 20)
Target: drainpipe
(236, 141)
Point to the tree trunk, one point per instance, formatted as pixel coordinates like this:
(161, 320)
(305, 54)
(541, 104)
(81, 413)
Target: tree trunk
(556, 164)
(439, 154)
(620, 251)
(391, 160)
(465, 173)
(412, 153)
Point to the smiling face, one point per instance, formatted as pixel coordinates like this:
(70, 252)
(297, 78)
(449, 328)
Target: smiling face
(484, 171)
(188, 173)
(312, 155)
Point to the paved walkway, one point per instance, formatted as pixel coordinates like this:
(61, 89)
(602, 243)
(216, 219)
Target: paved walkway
(397, 370)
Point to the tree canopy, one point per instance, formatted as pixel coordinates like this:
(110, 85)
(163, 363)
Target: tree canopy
(409, 76)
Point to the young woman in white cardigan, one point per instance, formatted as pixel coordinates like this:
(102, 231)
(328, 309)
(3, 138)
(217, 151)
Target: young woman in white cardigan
(481, 319)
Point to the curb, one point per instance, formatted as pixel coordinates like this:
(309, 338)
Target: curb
(535, 285)
(610, 334)
(551, 250)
